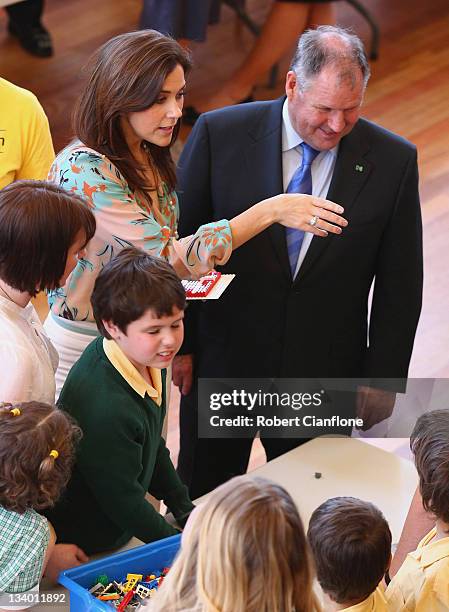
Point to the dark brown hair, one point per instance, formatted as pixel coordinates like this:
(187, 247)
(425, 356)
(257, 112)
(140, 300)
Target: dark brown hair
(126, 76)
(39, 222)
(429, 443)
(29, 476)
(351, 543)
(132, 283)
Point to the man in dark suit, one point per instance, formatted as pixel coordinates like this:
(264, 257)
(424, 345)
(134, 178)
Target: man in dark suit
(309, 320)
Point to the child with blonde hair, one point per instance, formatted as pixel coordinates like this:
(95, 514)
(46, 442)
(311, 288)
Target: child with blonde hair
(243, 550)
(36, 454)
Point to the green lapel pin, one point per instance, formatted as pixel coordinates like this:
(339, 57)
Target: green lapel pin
(359, 168)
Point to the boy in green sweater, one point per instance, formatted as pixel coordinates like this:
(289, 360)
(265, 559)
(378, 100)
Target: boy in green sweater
(117, 394)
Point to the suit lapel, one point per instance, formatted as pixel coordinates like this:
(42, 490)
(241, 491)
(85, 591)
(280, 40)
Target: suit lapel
(264, 163)
(351, 172)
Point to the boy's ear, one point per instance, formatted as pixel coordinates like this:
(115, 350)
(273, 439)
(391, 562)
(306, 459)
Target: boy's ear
(113, 330)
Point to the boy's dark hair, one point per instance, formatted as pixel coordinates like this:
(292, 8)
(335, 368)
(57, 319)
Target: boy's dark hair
(30, 477)
(39, 222)
(351, 543)
(429, 443)
(132, 283)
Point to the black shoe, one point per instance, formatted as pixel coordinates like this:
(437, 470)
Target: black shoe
(190, 114)
(34, 38)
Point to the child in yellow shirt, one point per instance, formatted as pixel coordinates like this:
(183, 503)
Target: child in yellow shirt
(351, 543)
(422, 583)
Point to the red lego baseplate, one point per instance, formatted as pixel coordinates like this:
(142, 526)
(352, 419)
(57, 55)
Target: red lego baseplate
(202, 287)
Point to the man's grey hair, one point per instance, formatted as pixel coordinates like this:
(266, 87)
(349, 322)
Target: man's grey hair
(329, 46)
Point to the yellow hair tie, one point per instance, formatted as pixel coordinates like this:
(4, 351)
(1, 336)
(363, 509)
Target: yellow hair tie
(15, 412)
(54, 454)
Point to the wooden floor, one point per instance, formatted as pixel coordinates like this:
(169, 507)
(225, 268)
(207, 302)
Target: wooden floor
(408, 93)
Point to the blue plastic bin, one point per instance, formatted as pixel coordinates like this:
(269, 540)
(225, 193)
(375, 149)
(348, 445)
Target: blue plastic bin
(140, 560)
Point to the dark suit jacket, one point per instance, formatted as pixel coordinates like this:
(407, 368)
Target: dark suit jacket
(316, 326)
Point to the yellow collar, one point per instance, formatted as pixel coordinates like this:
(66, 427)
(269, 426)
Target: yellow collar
(429, 552)
(134, 379)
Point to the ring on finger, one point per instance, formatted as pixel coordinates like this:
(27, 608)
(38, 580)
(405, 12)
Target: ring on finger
(314, 220)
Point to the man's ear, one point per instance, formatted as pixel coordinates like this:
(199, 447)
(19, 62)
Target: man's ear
(290, 83)
(113, 330)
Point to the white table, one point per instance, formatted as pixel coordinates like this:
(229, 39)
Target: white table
(347, 467)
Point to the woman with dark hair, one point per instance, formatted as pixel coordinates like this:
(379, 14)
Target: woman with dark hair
(43, 233)
(125, 121)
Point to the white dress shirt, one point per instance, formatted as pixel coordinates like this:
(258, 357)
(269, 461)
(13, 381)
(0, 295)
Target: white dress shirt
(322, 169)
(28, 360)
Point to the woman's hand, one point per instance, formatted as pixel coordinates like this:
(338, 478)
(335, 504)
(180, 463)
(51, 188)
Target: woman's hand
(303, 212)
(308, 213)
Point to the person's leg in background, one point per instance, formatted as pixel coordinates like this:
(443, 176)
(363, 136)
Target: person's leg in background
(338, 403)
(285, 22)
(185, 20)
(163, 16)
(275, 447)
(25, 23)
(205, 463)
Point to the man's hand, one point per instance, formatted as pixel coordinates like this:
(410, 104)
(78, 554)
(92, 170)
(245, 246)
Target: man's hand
(182, 373)
(64, 556)
(374, 405)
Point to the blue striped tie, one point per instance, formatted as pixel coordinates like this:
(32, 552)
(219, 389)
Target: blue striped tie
(301, 182)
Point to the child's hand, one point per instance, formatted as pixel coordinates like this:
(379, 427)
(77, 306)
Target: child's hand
(64, 556)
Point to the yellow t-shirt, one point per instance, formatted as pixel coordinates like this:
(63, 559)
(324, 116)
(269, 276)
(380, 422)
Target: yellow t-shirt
(422, 582)
(26, 149)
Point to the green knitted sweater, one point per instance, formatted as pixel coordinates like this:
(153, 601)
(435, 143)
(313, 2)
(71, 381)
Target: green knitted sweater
(120, 457)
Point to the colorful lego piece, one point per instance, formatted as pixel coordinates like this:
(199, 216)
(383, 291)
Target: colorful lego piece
(125, 601)
(97, 589)
(132, 592)
(203, 286)
(142, 591)
(131, 581)
(103, 579)
(109, 596)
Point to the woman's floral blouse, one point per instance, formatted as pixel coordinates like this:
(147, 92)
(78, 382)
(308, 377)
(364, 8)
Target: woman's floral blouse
(124, 219)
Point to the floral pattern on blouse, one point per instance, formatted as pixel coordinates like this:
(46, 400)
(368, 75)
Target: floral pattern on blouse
(123, 219)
